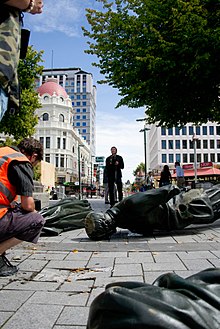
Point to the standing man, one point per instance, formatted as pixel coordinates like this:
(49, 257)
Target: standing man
(114, 164)
(180, 180)
(18, 222)
(10, 46)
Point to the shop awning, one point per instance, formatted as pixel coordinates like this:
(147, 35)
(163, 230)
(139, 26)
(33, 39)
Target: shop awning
(201, 172)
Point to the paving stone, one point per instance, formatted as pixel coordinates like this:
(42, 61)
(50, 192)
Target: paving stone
(165, 257)
(78, 255)
(77, 286)
(32, 265)
(59, 298)
(100, 262)
(67, 264)
(95, 292)
(150, 277)
(4, 316)
(127, 270)
(102, 282)
(109, 254)
(198, 265)
(196, 255)
(49, 256)
(169, 266)
(12, 300)
(32, 285)
(52, 275)
(74, 316)
(34, 317)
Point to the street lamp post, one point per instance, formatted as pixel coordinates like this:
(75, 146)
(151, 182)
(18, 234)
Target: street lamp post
(93, 156)
(79, 170)
(195, 139)
(145, 148)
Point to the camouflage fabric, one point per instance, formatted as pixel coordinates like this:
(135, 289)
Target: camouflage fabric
(9, 53)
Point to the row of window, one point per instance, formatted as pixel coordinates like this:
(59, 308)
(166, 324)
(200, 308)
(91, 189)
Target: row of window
(46, 142)
(79, 110)
(79, 124)
(45, 117)
(78, 117)
(189, 158)
(190, 130)
(78, 103)
(185, 144)
(77, 96)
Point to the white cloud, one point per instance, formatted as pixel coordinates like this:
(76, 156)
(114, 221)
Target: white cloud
(119, 130)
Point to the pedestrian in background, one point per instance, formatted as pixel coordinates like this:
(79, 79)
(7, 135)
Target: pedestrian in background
(180, 180)
(114, 164)
(10, 48)
(165, 176)
(18, 222)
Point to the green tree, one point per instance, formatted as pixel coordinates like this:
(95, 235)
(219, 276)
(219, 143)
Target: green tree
(21, 124)
(140, 168)
(160, 54)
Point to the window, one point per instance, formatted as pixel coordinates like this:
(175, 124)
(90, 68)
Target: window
(191, 130)
(170, 144)
(83, 96)
(58, 142)
(212, 157)
(170, 131)
(211, 130)
(45, 117)
(163, 144)
(84, 124)
(191, 146)
(61, 118)
(78, 117)
(64, 143)
(47, 158)
(185, 157)
(72, 83)
(218, 157)
(84, 117)
(198, 144)
(84, 131)
(217, 130)
(84, 90)
(184, 131)
(184, 144)
(191, 157)
(77, 96)
(47, 142)
(205, 157)
(78, 89)
(78, 103)
(178, 157)
(73, 149)
(198, 157)
(205, 144)
(62, 161)
(218, 143)
(84, 110)
(204, 130)
(57, 160)
(163, 131)
(212, 144)
(198, 130)
(83, 103)
(78, 124)
(77, 110)
(177, 130)
(41, 139)
(177, 144)
(164, 158)
(171, 158)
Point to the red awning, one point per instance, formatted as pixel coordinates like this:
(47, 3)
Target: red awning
(200, 172)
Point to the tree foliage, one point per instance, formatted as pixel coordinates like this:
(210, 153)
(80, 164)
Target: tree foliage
(162, 54)
(140, 168)
(21, 124)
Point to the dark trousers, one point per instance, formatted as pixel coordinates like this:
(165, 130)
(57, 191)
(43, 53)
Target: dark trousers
(111, 185)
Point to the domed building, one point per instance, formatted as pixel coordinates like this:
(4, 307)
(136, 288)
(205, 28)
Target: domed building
(58, 136)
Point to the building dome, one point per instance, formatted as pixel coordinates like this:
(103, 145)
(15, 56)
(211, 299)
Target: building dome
(51, 87)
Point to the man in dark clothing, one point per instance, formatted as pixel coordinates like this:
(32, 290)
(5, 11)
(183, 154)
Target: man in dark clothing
(18, 222)
(114, 164)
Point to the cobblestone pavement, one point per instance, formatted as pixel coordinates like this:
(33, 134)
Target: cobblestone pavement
(60, 276)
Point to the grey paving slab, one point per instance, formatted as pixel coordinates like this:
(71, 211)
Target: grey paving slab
(150, 277)
(196, 255)
(162, 266)
(101, 262)
(49, 256)
(197, 264)
(127, 270)
(74, 316)
(102, 282)
(77, 255)
(4, 316)
(77, 286)
(12, 300)
(110, 254)
(34, 317)
(67, 264)
(32, 285)
(164, 257)
(32, 265)
(59, 298)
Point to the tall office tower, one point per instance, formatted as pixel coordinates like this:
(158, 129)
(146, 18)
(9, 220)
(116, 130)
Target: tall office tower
(79, 87)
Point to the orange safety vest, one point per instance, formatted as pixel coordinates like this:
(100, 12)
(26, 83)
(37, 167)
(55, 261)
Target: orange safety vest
(7, 190)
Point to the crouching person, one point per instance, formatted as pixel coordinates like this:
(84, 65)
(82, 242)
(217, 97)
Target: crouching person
(18, 222)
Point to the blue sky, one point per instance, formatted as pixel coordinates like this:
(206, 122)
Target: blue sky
(58, 30)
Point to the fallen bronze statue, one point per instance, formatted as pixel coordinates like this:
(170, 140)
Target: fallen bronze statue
(164, 209)
(170, 302)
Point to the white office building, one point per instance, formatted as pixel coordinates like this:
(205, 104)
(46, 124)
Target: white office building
(79, 86)
(165, 146)
(64, 147)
